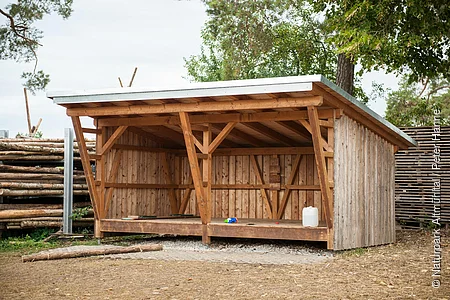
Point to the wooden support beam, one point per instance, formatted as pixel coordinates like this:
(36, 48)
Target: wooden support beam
(168, 179)
(220, 137)
(271, 133)
(91, 130)
(196, 107)
(114, 137)
(296, 128)
(193, 163)
(272, 116)
(86, 165)
(290, 181)
(100, 174)
(257, 171)
(322, 140)
(327, 196)
(112, 178)
(184, 202)
(242, 136)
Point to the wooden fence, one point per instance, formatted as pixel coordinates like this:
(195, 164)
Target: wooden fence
(415, 178)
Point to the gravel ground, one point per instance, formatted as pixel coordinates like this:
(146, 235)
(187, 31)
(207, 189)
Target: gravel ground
(222, 251)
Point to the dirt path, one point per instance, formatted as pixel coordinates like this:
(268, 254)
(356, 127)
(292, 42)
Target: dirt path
(400, 271)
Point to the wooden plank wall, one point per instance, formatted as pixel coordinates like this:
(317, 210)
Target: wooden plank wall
(248, 203)
(414, 177)
(364, 187)
(146, 167)
(138, 167)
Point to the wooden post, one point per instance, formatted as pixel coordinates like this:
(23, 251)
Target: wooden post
(88, 172)
(330, 168)
(327, 196)
(207, 182)
(202, 181)
(193, 163)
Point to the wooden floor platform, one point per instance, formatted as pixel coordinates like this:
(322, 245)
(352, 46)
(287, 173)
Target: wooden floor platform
(245, 228)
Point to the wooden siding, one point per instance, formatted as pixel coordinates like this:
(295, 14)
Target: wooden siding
(146, 168)
(414, 177)
(364, 187)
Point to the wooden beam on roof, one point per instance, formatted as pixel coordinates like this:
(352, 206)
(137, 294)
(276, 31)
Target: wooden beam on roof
(114, 137)
(274, 135)
(91, 130)
(359, 117)
(294, 127)
(327, 195)
(196, 107)
(323, 142)
(216, 118)
(153, 137)
(249, 139)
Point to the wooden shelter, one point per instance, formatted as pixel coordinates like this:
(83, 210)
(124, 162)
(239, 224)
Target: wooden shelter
(259, 150)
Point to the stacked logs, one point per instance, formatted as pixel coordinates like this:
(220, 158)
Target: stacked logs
(415, 178)
(32, 182)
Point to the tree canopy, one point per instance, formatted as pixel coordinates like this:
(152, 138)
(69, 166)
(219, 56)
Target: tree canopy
(20, 39)
(261, 38)
(397, 35)
(414, 104)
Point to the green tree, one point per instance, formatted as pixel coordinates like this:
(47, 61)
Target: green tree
(261, 38)
(20, 39)
(397, 35)
(414, 104)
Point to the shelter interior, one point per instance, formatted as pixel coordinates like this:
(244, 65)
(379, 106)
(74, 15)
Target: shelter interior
(180, 164)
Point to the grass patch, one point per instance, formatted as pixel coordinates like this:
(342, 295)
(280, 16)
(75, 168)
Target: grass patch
(355, 252)
(24, 244)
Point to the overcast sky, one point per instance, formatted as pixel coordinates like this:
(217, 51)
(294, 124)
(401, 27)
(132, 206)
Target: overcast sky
(103, 40)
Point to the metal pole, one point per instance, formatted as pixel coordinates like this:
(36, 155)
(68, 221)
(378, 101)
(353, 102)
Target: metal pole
(68, 180)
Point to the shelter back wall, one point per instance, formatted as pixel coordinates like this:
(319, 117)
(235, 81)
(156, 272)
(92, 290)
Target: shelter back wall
(146, 168)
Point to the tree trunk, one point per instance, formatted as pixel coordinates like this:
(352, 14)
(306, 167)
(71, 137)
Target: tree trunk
(345, 73)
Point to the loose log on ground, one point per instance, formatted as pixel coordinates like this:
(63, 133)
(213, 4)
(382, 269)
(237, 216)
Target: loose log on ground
(39, 224)
(39, 186)
(20, 214)
(90, 252)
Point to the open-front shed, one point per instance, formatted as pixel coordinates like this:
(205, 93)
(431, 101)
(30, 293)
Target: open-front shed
(183, 159)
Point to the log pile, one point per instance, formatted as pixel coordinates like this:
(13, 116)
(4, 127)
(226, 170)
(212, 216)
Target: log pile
(32, 176)
(414, 178)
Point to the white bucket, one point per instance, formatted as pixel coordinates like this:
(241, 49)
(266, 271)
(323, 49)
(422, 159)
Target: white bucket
(310, 216)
